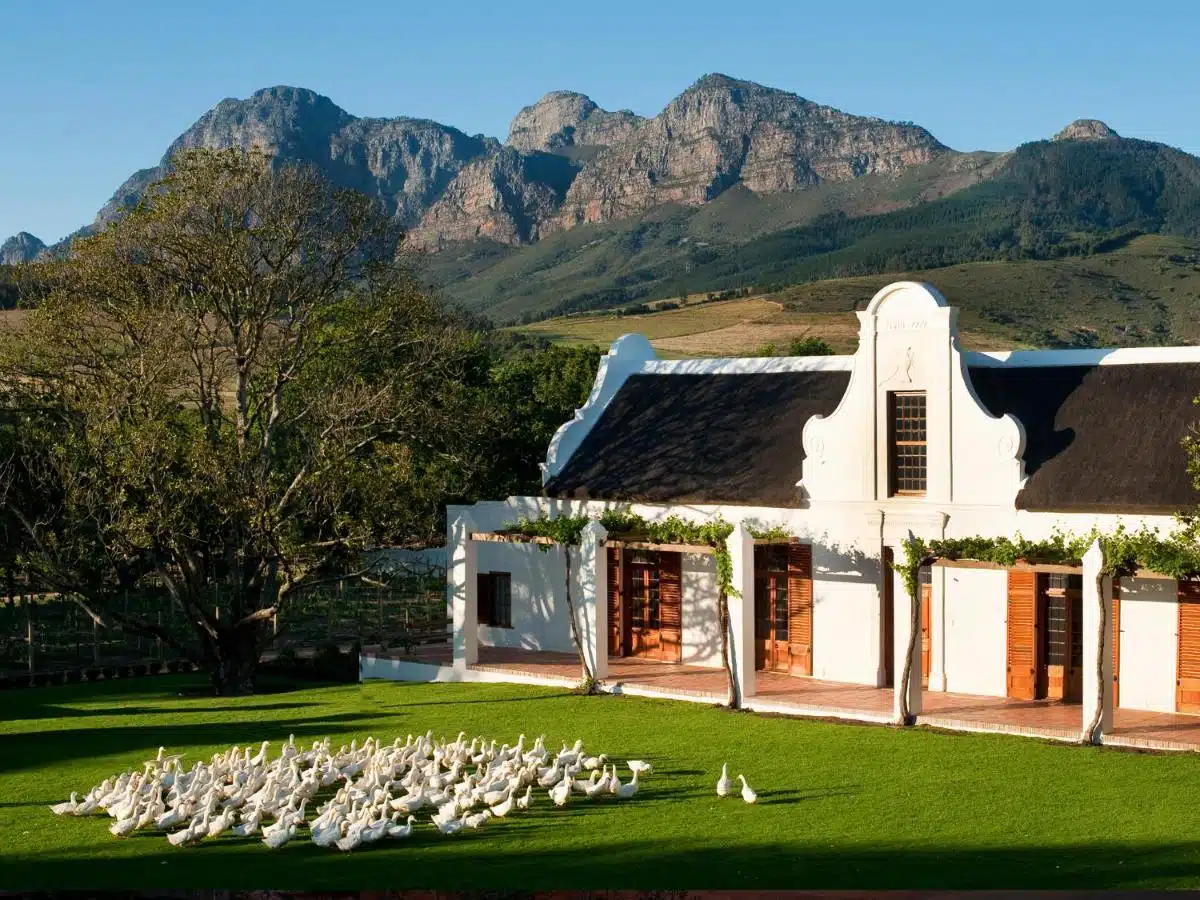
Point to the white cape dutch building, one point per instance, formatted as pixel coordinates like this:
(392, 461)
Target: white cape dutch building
(848, 455)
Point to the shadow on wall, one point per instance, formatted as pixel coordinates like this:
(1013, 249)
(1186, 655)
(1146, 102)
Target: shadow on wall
(701, 626)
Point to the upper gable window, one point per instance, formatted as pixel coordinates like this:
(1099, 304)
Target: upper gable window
(907, 458)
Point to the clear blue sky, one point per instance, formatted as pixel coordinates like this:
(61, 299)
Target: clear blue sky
(95, 90)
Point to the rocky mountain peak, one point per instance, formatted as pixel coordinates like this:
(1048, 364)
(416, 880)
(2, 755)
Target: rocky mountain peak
(20, 248)
(1086, 130)
(564, 119)
(723, 131)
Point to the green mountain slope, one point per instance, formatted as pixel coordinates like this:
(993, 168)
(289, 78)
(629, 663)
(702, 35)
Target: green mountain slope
(1046, 200)
(1146, 292)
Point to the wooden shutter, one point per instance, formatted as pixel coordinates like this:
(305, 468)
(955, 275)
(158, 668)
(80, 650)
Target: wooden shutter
(484, 598)
(800, 608)
(1022, 635)
(615, 580)
(1187, 682)
(670, 608)
(1116, 639)
(926, 633)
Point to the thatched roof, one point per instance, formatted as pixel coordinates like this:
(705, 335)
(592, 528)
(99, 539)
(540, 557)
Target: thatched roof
(701, 439)
(1100, 438)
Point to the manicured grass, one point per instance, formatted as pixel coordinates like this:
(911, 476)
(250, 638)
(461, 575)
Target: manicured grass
(841, 806)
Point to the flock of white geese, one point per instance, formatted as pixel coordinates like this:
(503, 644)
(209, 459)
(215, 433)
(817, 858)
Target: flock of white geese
(379, 787)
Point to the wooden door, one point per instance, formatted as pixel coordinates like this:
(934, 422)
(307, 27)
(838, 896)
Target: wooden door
(1116, 639)
(800, 608)
(1022, 651)
(616, 608)
(771, 650)
(670, 584)
(927, 610)
(1073, 671)
(1187, 681)
(643, 604)
(888, 623)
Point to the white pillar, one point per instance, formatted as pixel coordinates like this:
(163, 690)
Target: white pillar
(902, 623)
(462, 582)
(592, 610)
(741, 610)
(1097, 643)
(937, 629)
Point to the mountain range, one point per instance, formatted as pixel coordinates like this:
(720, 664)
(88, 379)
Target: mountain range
(732, 184)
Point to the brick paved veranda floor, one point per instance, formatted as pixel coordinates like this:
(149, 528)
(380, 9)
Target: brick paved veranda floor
(809, 696)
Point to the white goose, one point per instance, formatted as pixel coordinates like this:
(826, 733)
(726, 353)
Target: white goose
(724, 783)
(500, 810)
(523, 802)
(450, 826)
(628, 790)
(474, 821)
(68, 808)
(396, 830)
(561, 791)
(747, 794)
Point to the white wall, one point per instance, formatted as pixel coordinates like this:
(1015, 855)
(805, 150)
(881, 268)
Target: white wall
(538, 597)
(846, 615)
(1149, 643)
(976, 638)
(701, 636)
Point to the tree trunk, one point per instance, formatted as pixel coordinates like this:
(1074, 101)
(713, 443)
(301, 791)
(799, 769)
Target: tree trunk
(1092, 735)
(588, 676)
(235, 662)
(731, 699)
(914, 634)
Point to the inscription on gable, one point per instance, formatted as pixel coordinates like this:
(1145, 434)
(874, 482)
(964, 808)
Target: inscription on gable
(903, 324)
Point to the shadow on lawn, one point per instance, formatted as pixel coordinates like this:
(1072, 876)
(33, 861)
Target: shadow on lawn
(40, 748)
(34, 711)
(492, 859)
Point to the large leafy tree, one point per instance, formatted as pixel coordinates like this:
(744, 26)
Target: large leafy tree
(530, 393)
(235, 384)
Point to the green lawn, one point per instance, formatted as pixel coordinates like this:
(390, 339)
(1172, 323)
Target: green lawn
(841, 806)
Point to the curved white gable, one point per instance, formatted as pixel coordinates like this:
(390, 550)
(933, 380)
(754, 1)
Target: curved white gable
(908, 341)
(627, 355)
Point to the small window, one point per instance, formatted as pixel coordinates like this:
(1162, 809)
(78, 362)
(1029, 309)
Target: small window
(495, 599)
(907, 444)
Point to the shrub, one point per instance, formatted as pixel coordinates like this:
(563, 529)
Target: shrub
(810, 346)
(766, 350)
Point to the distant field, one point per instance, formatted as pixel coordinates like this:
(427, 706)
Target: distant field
(728, 328)
(1146, 293)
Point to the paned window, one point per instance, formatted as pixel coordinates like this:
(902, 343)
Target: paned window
(495, 599)
(907, 443)
(644, 606)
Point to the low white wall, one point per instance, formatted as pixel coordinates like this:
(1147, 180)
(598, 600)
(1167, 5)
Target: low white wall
(701, 636)
(976, 638)
(846, 616)
(1149, 643)
(539, 619)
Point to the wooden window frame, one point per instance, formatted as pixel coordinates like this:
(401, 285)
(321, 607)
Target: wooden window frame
(494, 605)
(894, 490)
(650, 562)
